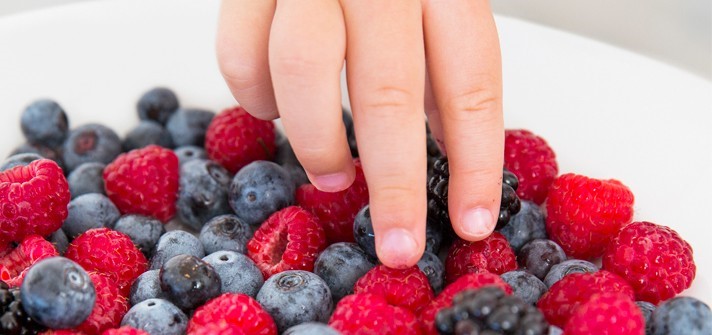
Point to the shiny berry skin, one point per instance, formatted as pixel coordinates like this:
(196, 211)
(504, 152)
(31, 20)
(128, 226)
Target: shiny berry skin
(189, 281)
(33, 200)
(173, 243)
(529, 224)
(110, 307)
(235, 138)
(532, 160)
(340, 265)
(15, 262)
(434, 269)
(408, 288)
(492, 254)
(202, 193)
(538, 256)
(250, 317)
(90, 143)
(654, 259)
(290, 239)
(584, 214)
(609, 313)
(365, 314)
(260, 189)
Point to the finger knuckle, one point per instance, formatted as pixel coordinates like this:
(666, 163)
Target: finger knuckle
(483, 99)
(297, 65)
(389, 101)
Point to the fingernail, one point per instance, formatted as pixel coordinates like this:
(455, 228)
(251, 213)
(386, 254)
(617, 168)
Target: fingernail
(397, 247)
(477, 222)
(332, 182)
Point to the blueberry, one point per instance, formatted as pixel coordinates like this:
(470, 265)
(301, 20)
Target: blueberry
(157, 105)
(564, 268)
(203, 192)
(188, 126)
(340, 265)
(19, 160)
(146, 286)
(174, 243)
(87, 178)
(434, 269)
(311, 328)
(90, 143)
(156, 317)
(293, 297)
(147, 133)
(258, 190)
(45, 122)
(144, 231)
(554, 330)
(41, 150)
(59, 240)
(647, 309)
(189, 282)
(363, 232)
(190, 152)
(296, 174)
(225, 232)
(525, 285)
(285, 154)
(350, 133)
(525, 226)
(538, 256)
(682, 315)
(237, 272)
(58, 293)
(89, 211)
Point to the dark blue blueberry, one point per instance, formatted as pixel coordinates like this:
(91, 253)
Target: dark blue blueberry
(157, 105)
(188, 126)
(175, 243)
(434, 269)
(190, 152)
(564, 268)
(87, 178)
(647, 309)
(92, 210)
(144, 231)
(294, 297)
(682, 315)
(238, 273)
(258, 190)
(340, 265)
(58, 293)
(538, 256)
(45, 122)
(41, 150)
(147, 133)
(156, 317)
(525, 226)
(433, 236)
(203, 192)
(90, 143)
(311, 328)
(189, 282)
(225, 232)
(525, 285)
(297, 174)
(350, 133)
(363, 232)
(285, 154)
(19, 160)
(59, 240)
(146, 286)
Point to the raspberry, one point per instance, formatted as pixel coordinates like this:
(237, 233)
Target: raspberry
(290, 239)
(236, 138)
(239, 310)
(571, 291)
(336, 210)
(408, 288)
(144, 181)
(366, 314)
(532, 160)
(492, 254)
(444, 299)
(14, 263)
(111, 253)
(654, 259)
(221, 328)
(109, 308)
(33, 200)
(609, 313)
(62, 332)
(584, 214)
(124, 331)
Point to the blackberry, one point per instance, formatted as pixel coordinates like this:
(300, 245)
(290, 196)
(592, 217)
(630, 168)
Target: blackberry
(489, 310)
(432, 149)
(438, 190)
(350, 133)
(13, 318)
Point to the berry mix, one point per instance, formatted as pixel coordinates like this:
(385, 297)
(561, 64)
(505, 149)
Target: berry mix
(196, 223)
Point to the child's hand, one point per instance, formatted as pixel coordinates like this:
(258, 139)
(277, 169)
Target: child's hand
(287, 56)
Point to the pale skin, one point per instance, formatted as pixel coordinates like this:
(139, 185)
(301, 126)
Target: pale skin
(404, 59)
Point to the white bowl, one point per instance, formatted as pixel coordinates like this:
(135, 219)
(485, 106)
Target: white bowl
(608, 113)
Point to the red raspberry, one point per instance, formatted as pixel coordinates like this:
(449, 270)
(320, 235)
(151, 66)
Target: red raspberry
(33, 200)
(239, 310)
(111, 253)
(61, 332)
(444, 299)
(366, 314)
(235, 138)
(290, 239)
(221, 328)
(654, 259)
(408, 288)
(607, 314)
(109, 308)
(492, 254)
(14, 263)
(584, 214)
(336, 210)
(533, 161)
(124, 331)
(144, 181)
(562, 299)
